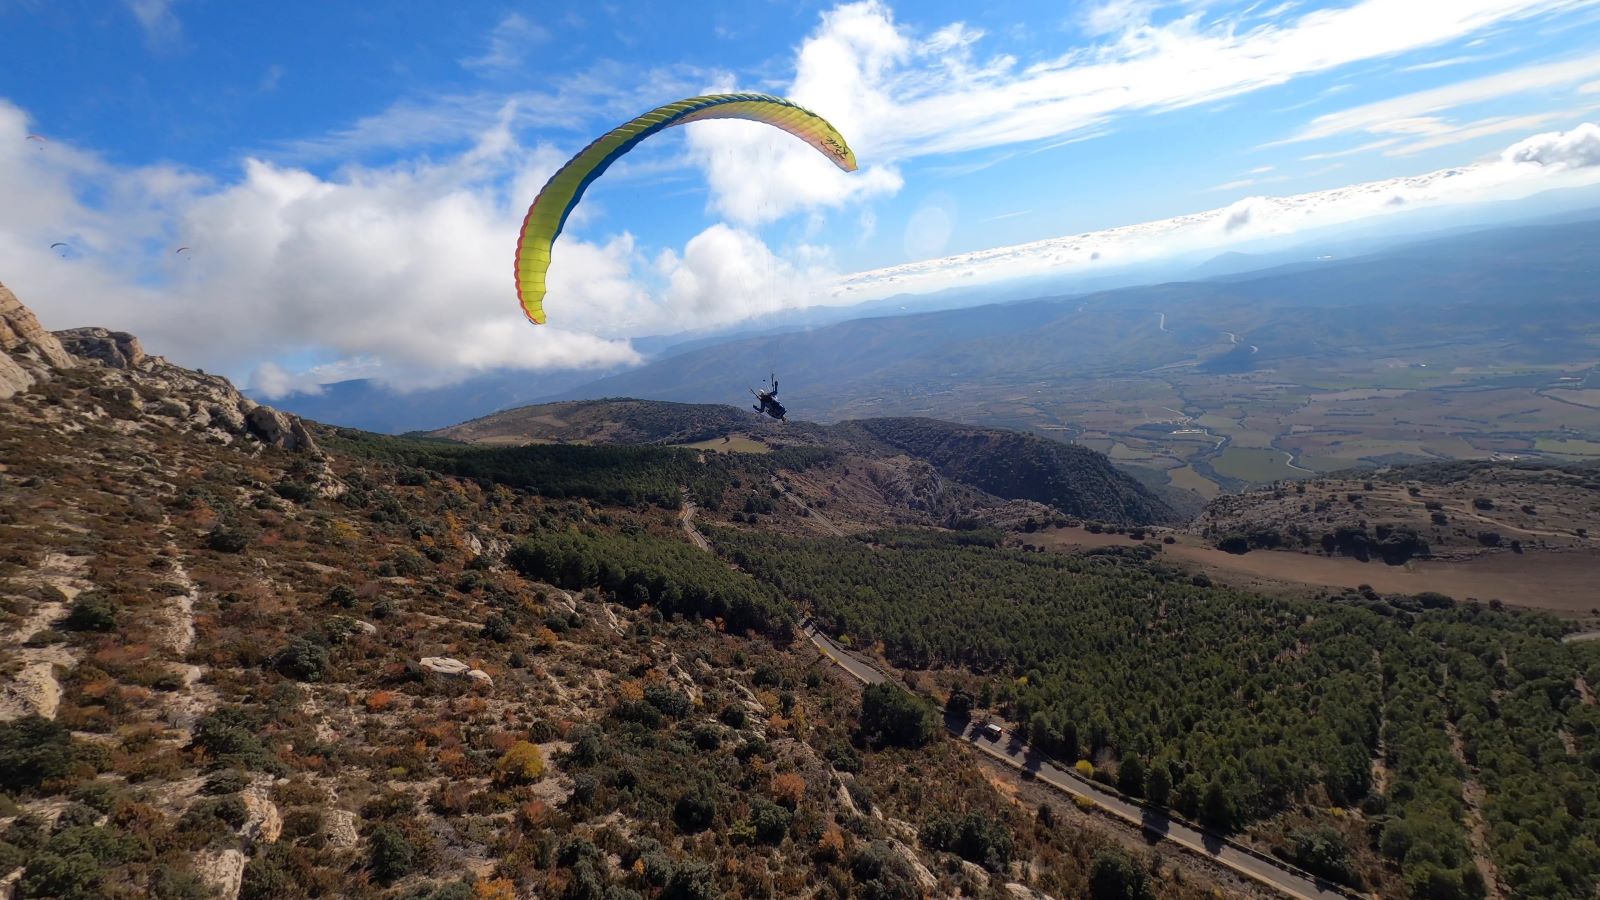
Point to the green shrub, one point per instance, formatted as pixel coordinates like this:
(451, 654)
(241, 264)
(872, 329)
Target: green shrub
(226, 540)
(33, 749)
(228, 735)
(695, 811)
(91, 612)
(892, 716)
(770, 820)
(75, 877)
(974, 837)
(671, 702)
(1114, 876)
(883, 874)
(843, 757)
(295, 491)
(391, 856)
(733, 715)
(1320, 851)
(302, 660)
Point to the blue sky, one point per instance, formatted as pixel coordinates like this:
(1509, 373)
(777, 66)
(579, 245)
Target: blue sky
(351, 174)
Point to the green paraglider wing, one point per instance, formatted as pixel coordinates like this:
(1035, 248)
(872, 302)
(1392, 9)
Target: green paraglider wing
(561, 193)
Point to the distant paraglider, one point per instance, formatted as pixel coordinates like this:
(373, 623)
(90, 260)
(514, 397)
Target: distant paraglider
(561, 193)
(38, 139)
(61, 249)
(181, 251)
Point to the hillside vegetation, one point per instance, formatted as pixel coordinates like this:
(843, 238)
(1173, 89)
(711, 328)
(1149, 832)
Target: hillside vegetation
(1004, 464)
(1019, 466)
(1453, 510)
(237, 664)
(1359, 719)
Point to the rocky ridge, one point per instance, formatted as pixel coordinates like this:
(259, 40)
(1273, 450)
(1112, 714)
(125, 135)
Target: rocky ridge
(134, 380)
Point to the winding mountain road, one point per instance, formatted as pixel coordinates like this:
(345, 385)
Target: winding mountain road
(686, 519)
(1016, 753)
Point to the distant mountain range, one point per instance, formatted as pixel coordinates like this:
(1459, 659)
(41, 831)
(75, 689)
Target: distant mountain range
(910, 363)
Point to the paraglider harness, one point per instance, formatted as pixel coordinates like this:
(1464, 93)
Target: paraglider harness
(767, 400)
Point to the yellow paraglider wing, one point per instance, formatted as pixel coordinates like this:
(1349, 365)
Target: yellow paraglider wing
(561, 193)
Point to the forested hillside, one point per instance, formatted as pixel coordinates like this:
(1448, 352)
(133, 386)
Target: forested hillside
(612, 421)
(1019, 466)
(1006, 464)
(622, 475)
(1457, 509)
(1353, 724)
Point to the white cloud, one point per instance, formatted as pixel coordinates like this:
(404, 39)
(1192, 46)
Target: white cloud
(402, 273)
(1575, 149)
(273, 381)
(271, 78)
(1411, 113)
(1352, 151)
(509, 42)
(1539, 163)
(726, 274)
(1446, 62)
(897, 95)
(1472, 130)
(156, 18)
(409, 265)
(1186, 61)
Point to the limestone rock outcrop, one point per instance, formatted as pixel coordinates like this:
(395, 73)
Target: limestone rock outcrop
(27, 351)
(455, 668)
(20, 332)
(31, 354)
(117, 349)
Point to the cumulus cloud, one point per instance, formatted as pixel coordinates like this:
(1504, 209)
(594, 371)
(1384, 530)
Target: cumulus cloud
(1575, 149)
(409, 264)
(273, 381)
(1539, 163)
(726, 274)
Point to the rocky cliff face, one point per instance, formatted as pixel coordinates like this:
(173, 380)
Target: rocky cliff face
(30, 351)
(115, 349)
(132, 385)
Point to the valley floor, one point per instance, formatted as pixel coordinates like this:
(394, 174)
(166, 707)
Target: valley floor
(1558, 582)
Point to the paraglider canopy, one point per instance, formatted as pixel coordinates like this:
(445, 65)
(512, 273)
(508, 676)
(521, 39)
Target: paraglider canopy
(561, 193)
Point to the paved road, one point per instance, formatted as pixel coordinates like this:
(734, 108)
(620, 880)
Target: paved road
(686, 519)
(863, 671)
(1017, 754)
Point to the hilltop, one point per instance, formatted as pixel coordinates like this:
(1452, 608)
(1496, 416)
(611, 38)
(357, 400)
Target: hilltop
(1458, 510)
(1007, 465)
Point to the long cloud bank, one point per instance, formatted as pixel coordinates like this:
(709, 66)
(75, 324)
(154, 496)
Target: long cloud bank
(1539, 163)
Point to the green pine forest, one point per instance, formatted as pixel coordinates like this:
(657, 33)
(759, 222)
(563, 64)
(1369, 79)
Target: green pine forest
(1238, 710)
